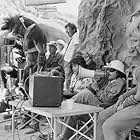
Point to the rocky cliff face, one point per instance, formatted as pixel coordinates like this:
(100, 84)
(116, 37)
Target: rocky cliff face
(102, 27)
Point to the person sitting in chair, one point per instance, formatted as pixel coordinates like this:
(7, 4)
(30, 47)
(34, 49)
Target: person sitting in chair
(97, 95)
(55, 59)
(77, 83)
(126, 114)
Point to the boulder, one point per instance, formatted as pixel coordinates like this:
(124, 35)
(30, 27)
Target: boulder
(102, 30)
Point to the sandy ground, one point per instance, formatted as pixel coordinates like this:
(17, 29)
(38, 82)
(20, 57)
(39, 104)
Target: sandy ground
(6, 134)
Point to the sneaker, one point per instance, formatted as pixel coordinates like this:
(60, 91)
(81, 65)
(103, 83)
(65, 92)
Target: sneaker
(34, 125)
(30, 131)
(24, 123)
(33, 129)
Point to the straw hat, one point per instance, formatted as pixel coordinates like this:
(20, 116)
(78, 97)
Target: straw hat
(61, 42)
(52, 43)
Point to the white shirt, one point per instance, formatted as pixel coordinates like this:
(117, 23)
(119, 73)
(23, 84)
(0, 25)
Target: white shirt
(70, 50)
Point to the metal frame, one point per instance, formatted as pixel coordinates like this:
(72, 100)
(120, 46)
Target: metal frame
(53, 118)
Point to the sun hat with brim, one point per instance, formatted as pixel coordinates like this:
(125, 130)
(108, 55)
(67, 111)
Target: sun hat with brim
(117, 65)
(52, 43)
(61, 42)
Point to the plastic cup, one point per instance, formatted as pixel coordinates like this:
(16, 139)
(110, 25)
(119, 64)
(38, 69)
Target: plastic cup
(69, 103)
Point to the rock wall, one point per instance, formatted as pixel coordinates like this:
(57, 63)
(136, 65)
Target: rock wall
(102, 30)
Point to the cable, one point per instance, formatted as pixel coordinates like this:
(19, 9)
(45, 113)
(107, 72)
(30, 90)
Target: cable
(20, 112)
(26, 82)
(18, 104)
(18, 134)
(24, 89)
(21, 105)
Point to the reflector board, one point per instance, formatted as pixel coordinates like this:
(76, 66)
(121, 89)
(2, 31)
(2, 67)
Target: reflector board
(42, 2)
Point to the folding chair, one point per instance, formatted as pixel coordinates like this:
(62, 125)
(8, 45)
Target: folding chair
(89, 128)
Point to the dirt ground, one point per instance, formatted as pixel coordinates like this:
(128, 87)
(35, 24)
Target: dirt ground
(6, 131)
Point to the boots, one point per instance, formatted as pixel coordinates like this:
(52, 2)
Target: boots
(33, 127)
(24, 122)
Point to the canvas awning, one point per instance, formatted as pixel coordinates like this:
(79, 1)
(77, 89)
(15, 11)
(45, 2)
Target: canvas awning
(42, 2)
(53, 34)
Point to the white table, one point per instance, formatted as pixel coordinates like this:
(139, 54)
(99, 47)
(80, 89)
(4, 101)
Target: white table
(55, 113)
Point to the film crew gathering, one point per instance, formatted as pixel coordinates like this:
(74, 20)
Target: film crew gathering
(50, 72)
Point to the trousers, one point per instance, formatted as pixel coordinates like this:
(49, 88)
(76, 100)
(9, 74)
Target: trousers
(87, 97)
(118, 126)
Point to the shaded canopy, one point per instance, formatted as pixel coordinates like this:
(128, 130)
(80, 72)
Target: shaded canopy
(42, 2)
(53, 33)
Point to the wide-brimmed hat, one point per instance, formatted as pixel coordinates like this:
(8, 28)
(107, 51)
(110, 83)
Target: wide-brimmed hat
(61, 42)
(52, 43)
(117, 65)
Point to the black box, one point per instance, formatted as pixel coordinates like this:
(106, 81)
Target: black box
(46, 91)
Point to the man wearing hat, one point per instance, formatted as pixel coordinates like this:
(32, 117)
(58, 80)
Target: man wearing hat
(70, 51)
(98, 95)
(127, 116)
(60, 46)
(55, 59)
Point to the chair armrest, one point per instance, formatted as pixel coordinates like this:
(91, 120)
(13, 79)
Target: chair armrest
(105, 105)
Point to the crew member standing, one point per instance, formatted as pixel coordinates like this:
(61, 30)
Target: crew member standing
(70, 51)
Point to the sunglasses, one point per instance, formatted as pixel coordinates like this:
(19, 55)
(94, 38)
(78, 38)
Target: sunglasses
(112, 70)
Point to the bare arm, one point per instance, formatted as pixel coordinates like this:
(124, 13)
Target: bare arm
(128, 93)
(137, 75)
(135, 97)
